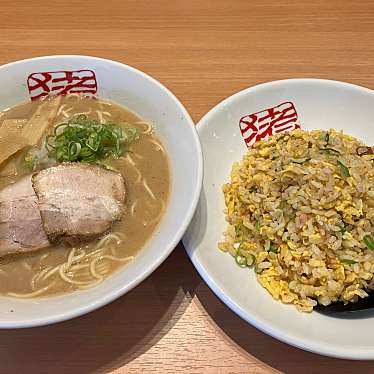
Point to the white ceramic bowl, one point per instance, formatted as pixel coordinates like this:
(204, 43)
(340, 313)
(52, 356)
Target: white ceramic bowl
(275, 106)
(147, 97)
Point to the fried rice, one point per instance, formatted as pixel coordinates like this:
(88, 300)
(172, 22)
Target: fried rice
(300, 212)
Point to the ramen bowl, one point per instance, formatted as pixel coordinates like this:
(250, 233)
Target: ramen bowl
(60, 75)
(226, 132)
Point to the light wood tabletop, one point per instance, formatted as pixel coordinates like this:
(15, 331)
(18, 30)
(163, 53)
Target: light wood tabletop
(203, 51)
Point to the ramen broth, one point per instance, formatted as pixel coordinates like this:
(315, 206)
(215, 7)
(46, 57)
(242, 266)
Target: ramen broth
(144, 167)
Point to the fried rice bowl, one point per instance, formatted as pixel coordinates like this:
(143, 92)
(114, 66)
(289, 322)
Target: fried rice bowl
(300, 212)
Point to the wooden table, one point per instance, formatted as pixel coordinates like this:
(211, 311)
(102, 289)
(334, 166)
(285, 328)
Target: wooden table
(203, 51)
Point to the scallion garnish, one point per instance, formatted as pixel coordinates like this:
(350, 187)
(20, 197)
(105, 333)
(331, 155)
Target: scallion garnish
(87, 140)
(240, 260)
(344, 170)
(240, 229)
(347, 261)
(300, 161)
(327, 138)
(342, 229)
(251, 259)
(273, 249)
(369, 241)
(330, 151)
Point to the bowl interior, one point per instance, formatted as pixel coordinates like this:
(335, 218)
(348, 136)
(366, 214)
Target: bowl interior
(311, 104)
(152, 101)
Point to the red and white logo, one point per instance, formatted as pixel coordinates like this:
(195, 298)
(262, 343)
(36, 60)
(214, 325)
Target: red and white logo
(61, 83)
(260, 125)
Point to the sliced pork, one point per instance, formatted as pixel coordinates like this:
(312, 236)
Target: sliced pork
(69, 202)
(78, 202)
(21, 226)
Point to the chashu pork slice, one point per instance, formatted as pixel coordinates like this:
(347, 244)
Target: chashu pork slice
(78, 202)
(21, 226)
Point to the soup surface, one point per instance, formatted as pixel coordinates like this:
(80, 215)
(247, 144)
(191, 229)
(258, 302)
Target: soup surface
(144, 166)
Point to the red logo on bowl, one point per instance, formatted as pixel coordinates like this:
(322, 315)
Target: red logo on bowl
(61, 83)
(260, 125)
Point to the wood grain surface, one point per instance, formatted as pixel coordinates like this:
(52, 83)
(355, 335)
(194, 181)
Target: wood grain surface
(203, 51)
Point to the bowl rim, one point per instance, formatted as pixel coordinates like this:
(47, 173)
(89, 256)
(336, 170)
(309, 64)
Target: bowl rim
(105, 299)
(327, 349)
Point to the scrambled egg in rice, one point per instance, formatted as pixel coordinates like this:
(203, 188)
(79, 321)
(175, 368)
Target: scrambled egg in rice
(300, 209)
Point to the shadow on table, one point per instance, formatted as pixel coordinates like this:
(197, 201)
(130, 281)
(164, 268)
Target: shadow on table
(107, 338)
(268, 350)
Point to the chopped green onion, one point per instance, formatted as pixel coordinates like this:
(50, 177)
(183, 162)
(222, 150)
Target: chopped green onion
(49, 144)
(87, 140)
(240, 260)
(258, 226)
(273, 249)
(344, 170)
(245, 259)
(300, 161)
(343, 229)
(330, 151)
(251, 259)
(369, 241)
(59, 129)
(269, 247)
(74, 150)
(240, 229)
(347, 261)
(327, 138)
(252, 189)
